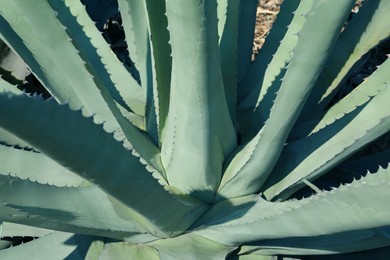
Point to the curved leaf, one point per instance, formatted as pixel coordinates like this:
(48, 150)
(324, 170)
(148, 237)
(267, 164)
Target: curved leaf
(355, 121)
(36, 167)
(57, 245)
(329, 212)
(86, 149)
(82, 210)
(367, 28)
(243, 178)
(62, 79)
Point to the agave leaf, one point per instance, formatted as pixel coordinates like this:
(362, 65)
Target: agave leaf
(222, 6)
(12, 67)
(343, 242)
(191, 247)
(21, 24)
(354, 128)
(199, 133)
(37, 167)
(12, 229)
(367, 28)
(6, 86)
(360, 96)
(246, 27)
(259, 87)
(79, 77)
(115, 169)
(228, 17)
(123, 251)
(162, 60)
(6, 138)
(347, 171)
(135, 120)
(57, 245)
(141, 20)
(108, 72)
(82, 210)
(135, 23)
(251, 166)
(233, 222)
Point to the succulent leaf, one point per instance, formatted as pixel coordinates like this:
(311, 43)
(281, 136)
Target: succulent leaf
(344, 242)
(162, 60)
(12, 229)
(199, 133)
(166, 137)
(246, 27)
(58, 245)
(367, 28)
(116, 175)
(228, 17)
(360, 124)
(20, 24)
(259, 87)
(35, 166)
(108, 73)
(233, 221)
(81, 209)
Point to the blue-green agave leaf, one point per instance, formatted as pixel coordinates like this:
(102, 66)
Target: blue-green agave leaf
(228, 25)
(108, 72)
(123, 251)
(58, 245)
(253, 219)
(251, 166)
(12, 229)
(12, 67)
(192, 247)
(76, 143)
(367, 28)
(59, 65)
(85, 210)
(135, 23)
(6, 86)
(37, 167)
(260, 86)
(161, 59)
(352, 123)
(360, 96)
(343, 242)
(199, 133)
(246, 28)
(6, 138)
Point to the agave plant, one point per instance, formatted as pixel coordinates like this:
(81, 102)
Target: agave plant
(199, 153)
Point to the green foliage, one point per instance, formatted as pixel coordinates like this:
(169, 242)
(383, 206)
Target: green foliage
(202, 153)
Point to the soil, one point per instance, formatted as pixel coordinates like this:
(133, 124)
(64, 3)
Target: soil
(266, 15)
